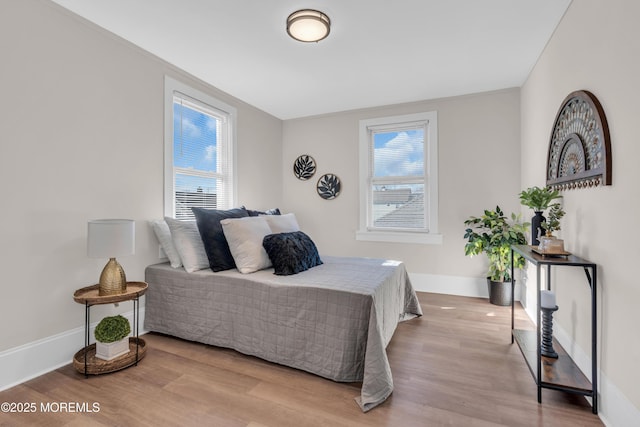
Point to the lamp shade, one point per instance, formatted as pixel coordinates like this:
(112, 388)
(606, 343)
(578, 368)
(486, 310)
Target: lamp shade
(110, 238)
(308, 25)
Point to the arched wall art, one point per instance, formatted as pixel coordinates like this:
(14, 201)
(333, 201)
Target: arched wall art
(580, 145)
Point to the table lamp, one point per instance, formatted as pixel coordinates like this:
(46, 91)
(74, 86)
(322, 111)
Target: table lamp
(109, 238)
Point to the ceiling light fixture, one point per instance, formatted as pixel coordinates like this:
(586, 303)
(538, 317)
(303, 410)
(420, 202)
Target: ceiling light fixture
(308, 25)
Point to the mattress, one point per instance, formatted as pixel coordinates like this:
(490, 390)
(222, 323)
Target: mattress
(333, 320)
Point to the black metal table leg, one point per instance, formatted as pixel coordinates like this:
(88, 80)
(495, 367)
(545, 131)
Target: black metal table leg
(86, 336)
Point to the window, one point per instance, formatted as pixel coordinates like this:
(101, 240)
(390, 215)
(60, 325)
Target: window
(399, 179)
(199, 151)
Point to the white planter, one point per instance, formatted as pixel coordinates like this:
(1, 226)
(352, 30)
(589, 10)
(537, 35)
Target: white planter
(113, 349)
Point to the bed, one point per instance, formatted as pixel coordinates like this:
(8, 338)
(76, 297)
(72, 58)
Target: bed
(333, 320)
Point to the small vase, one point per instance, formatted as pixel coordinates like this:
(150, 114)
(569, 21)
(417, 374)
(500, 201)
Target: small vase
(536, 229)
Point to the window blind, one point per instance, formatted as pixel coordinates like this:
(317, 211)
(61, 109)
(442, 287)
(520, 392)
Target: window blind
(201, 170)
(397, 177)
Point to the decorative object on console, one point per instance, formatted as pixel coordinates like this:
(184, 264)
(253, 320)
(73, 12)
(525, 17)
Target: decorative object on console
(553, 222)
(111, 238)
(580, 145)
(493, 234)
(552, 246)
(549, 244)
(536, 229)
(304, 167)
(538, 199)
(548, 306)
(112, 337)
(329, 186)
(308, 25)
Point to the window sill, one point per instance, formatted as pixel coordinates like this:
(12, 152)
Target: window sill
(399, 237)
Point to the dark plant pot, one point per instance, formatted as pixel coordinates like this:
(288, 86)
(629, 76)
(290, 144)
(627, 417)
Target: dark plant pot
(536, 229)
(499, 292)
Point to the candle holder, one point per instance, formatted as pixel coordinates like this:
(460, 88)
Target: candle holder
(546, 347)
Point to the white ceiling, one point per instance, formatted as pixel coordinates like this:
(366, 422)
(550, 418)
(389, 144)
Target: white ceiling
(379, 52)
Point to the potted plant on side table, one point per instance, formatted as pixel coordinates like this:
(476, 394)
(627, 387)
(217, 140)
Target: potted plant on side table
(493, 234)
(538, 199)
(112, 337)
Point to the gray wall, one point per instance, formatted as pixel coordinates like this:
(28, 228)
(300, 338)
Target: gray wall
(479, 166)
(596, 47)
(82, 138)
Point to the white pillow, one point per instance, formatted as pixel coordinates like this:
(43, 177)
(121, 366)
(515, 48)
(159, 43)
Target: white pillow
(186, 238)
(282, 223)
(244, 236)
(163, 234)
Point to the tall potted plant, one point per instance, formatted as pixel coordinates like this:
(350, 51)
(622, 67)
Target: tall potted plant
(493, 234)
(538, 199)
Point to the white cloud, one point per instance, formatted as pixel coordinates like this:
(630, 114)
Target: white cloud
(212, 124)
(400, 156)
(210, 151)
(188, 128)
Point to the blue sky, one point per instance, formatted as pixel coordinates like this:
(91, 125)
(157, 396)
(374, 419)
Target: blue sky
(194, 135)
(396, 153)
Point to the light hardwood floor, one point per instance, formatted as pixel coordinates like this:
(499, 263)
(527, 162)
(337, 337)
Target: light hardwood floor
(455, 366)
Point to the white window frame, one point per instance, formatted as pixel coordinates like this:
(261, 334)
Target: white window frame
(428, 235)
(171, 86)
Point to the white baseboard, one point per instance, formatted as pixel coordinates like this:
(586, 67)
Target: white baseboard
(454, 285)
(614, 408)
(31, 360)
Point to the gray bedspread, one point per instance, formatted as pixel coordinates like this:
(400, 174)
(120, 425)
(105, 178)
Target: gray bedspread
(334, 320)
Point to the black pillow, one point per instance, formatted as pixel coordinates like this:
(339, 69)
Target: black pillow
(274, 211)
(291, 253)
(215, 244)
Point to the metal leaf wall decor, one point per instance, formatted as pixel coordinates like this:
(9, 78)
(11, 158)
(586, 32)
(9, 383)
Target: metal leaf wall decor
(304, 167)
(328, 186)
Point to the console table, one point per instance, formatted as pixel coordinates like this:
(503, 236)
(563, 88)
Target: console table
(561, 373)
